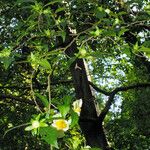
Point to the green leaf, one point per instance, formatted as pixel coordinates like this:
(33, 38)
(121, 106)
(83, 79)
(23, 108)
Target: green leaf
(53, 2)
(63, 35)
(145, 49)
(5, 52)
(7, 61)
(97, 32)
(49, 134)
(122, 31)
(136, 47)
(6, 58)
(43, 124)
(33, 57)
(45, 64)
(47, 32)
(96, 54)
(127, 51)
(43, 99)
(117, 21)
(28, 128)
(109, 32)
(74, 119)
(67, 100)
(100, 13)
(64, 109)
(60, 9)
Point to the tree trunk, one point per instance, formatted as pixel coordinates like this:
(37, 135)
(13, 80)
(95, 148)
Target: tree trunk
(90, 125)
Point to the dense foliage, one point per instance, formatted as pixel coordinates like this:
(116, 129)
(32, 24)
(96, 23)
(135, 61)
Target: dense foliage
(55, 54)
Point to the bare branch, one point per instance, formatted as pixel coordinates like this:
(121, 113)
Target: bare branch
(114, 92)
(99, 90)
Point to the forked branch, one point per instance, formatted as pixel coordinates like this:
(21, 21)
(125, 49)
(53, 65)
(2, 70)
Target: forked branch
(113, 93)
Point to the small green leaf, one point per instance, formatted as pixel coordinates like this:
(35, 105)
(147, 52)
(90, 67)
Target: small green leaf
(47, 11)
(64, 109)
(47, 33)
(67, 100)
(127, 51)
(63, 35)
(33, 57)
(122, 31)
(6, 58)
(107, 11)
(136, 47)
(100, 13)
(45, 64)
(60, 9)
(97, 32)
(117, 21)
(5, 53)
(43, 124)
(74, 119)
(7, 61)
(28, 128)
(49, 134)
(145, 49)
(43, 99)
(109, 32)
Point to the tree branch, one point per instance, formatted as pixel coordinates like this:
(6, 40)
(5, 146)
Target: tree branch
(115, 91)
(35, 86)
(3, 96)
(99, 90)
(23, 100)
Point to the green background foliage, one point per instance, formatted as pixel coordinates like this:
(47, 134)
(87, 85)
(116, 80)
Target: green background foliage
(35, 79)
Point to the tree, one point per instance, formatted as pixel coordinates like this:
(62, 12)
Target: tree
(65, 64)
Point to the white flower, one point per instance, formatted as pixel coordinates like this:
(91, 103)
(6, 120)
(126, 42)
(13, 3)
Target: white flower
(61, 124)
(77, 106)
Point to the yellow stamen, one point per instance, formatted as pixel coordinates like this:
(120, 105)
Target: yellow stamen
(61, 124)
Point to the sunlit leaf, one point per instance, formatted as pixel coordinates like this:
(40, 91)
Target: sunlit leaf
(74, 119)
(43, 99)
(49, 134)
(45, 64)
(64, 109)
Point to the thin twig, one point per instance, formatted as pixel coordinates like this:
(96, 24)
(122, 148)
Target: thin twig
(32, 93)
(49, 91)
(25, 124)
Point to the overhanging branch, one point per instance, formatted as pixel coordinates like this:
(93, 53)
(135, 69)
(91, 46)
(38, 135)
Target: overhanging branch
(113, 93)
(99, 90)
